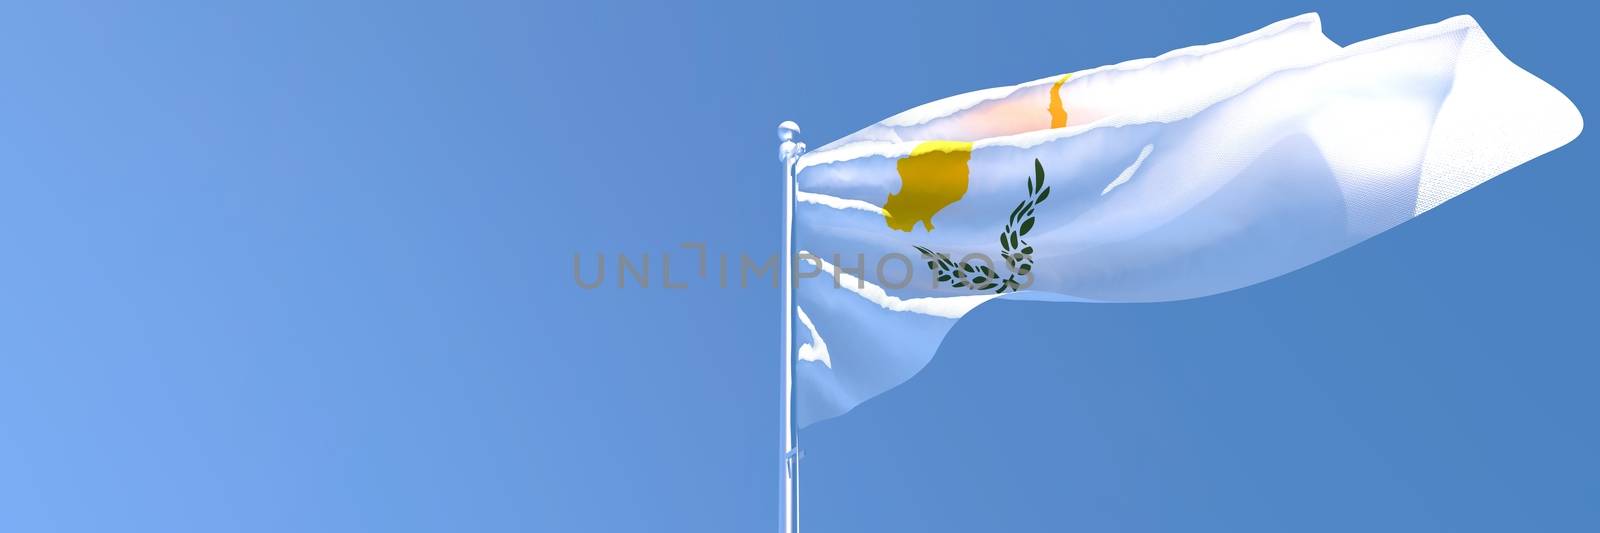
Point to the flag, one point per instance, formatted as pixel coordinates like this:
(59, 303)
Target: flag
(1200, 171)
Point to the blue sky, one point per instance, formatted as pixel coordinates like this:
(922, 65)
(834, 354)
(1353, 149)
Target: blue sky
(306, 266)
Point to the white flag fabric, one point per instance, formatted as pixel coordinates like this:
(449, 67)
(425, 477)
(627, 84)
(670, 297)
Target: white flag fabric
(1200, 171)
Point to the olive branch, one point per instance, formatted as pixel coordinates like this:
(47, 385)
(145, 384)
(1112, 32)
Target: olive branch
(1017, 253)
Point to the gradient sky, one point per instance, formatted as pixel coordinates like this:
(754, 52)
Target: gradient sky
(306, 266)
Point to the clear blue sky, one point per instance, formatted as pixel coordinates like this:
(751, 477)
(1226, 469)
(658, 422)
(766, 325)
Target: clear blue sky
(306, 266)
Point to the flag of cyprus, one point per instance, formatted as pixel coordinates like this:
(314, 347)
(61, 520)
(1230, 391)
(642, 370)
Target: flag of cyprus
(1202, 170)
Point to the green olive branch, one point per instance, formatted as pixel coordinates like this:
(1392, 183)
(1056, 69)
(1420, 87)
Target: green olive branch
(1017, 253)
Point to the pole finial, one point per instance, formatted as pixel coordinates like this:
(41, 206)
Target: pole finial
(791, 147)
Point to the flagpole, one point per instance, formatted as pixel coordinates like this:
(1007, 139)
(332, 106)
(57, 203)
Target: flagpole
(789, 471)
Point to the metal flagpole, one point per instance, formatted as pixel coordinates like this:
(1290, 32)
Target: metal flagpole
(789, 152)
